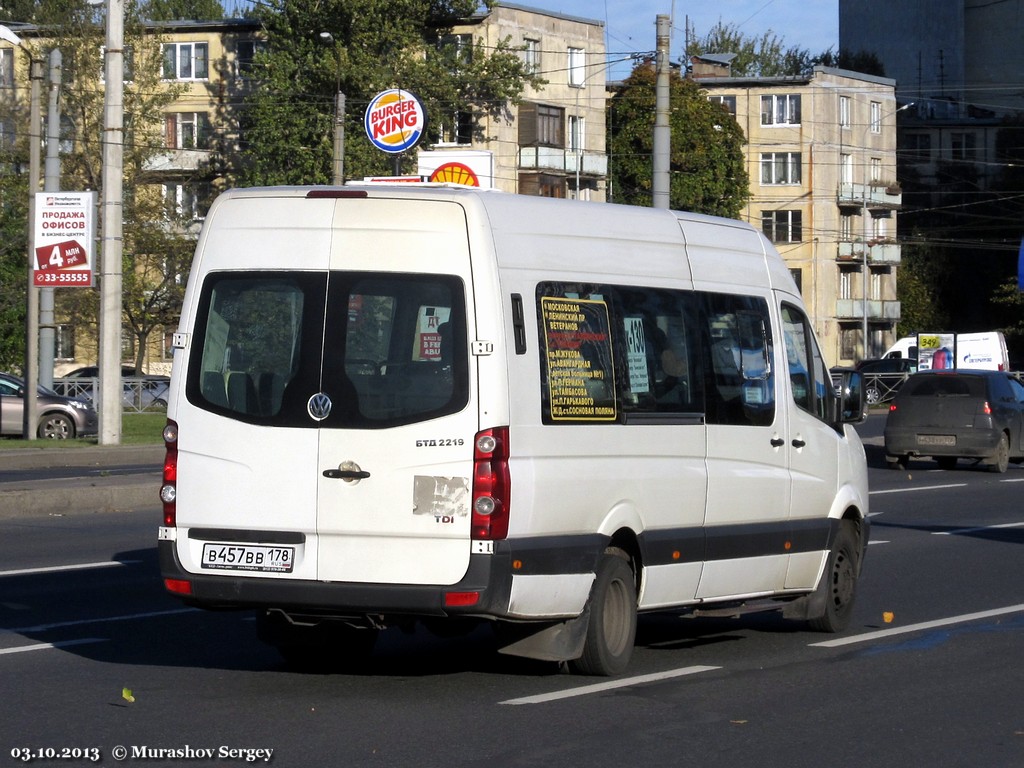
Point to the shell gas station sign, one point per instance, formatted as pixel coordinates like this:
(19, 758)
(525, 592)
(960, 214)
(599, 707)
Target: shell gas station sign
(64, 228)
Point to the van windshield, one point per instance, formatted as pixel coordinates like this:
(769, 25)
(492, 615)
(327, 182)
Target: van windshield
(386, 349)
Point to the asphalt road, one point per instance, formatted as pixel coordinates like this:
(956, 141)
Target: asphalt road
(95, 656)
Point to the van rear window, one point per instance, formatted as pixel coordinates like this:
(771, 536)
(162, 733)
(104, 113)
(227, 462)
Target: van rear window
(386, 349)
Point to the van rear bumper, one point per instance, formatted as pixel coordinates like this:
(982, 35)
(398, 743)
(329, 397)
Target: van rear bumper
(488, 576)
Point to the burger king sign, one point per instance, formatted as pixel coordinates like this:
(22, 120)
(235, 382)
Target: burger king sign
(395, 121)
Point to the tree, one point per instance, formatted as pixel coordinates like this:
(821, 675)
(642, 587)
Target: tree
(706, 162)
(362, 47)
(171, 10)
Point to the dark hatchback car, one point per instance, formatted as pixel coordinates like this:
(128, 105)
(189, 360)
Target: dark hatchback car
(60, 417)
(957, 414)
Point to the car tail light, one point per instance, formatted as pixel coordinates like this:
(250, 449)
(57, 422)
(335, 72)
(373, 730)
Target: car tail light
(986, 409)
(491, 485)
(169, 489)
(892, 407)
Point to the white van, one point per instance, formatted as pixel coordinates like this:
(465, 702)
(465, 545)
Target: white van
(985, 350)
(402, 404)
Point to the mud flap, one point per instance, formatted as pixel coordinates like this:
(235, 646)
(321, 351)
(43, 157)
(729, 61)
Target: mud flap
(555, 642)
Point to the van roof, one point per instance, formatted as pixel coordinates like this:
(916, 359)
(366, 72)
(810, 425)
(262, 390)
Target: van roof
(719, 250)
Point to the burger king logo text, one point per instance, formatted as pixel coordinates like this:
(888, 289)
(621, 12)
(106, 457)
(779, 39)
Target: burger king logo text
(395, 121)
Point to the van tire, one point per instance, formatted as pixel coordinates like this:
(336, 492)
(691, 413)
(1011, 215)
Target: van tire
(838, 586)
(611, 631)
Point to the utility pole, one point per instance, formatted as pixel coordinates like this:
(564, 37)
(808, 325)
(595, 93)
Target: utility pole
(51, 183)
(662, 134)
(339, 140)
(111, 278)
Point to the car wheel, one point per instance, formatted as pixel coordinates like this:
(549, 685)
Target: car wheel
(56, 426)
(1000, 460)
(872, 394)
(611, 631)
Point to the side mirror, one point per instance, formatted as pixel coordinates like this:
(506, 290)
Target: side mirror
(852, 402)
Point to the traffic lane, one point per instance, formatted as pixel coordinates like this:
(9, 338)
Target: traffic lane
(198, 679)
(64, 473)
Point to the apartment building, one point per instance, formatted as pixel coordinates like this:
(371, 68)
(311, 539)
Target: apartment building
(821, 155)
(553, 142)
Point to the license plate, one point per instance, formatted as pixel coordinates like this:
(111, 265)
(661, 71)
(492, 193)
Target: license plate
(249, 557)
(936, 439)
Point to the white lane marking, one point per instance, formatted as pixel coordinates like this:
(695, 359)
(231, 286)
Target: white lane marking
(883, 633)
(625, 682)
(46, 646)
(958, 531)
(99, 620)
(77, 567)
(1013, 480)
(922, 488)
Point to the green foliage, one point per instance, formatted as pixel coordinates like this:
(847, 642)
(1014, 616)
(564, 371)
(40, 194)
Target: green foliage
(361, 47)
(707, 170)
(170, 10)
(923, 272)
(13, 263)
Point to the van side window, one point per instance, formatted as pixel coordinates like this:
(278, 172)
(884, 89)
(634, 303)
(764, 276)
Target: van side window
(808, 376)
(660, 354)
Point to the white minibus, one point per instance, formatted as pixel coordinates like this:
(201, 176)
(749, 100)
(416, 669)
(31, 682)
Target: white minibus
(401, 405)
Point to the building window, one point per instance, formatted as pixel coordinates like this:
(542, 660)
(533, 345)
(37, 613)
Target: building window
(780, 168)
(875, 168)
(844, 111)
(190, 201)
(780, 110)
(846, 283)
(187, 130)
(460, 47)
(962, 146)
(64, 342)
(848, 339)
(798, 278)
(782, 226)
(577, 133)
(846, 226)
(458, 129)
(729, 102)
(245, 56)
(186, 61)
(541, 185)
(876, 117)
(577, 67)
(846, 168)
(6, 67)
(541, 125)
(531, 55)
(919, 146)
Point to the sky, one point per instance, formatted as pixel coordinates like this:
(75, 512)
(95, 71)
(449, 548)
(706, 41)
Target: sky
(630, 24)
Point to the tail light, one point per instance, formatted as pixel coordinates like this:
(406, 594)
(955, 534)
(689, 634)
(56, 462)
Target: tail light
(892, 407)
(169, 489)
(986, 409)
(491, 485)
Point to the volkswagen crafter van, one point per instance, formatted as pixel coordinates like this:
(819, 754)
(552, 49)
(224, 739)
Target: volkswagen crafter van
(399, 404)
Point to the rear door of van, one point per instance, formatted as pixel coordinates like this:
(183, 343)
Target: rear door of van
(329, 412)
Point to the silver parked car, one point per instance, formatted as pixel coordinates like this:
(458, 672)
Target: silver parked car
(957, 414)
(60, 418)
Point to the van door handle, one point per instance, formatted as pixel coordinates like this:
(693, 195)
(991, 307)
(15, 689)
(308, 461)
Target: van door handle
(798, 443)
(346, 474)
(778, 442)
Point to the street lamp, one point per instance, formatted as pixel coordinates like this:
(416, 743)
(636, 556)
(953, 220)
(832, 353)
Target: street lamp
(865, 249)
(31, 408)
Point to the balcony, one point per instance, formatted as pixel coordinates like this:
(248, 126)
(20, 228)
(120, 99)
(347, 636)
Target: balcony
(870, 195)
(177, 160)
(853, 309)
(879, 253)
(563, 160)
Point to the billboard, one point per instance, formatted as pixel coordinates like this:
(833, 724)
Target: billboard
(65, 239)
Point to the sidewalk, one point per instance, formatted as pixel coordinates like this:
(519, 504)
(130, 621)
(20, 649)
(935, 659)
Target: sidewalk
(103, 484)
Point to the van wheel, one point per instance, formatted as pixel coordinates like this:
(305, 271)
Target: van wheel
(611, 631)
(1000, 460)
(839, 581)
(329, 646)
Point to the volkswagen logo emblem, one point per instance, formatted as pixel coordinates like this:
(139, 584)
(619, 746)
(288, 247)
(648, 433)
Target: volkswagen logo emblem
(319, 406)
